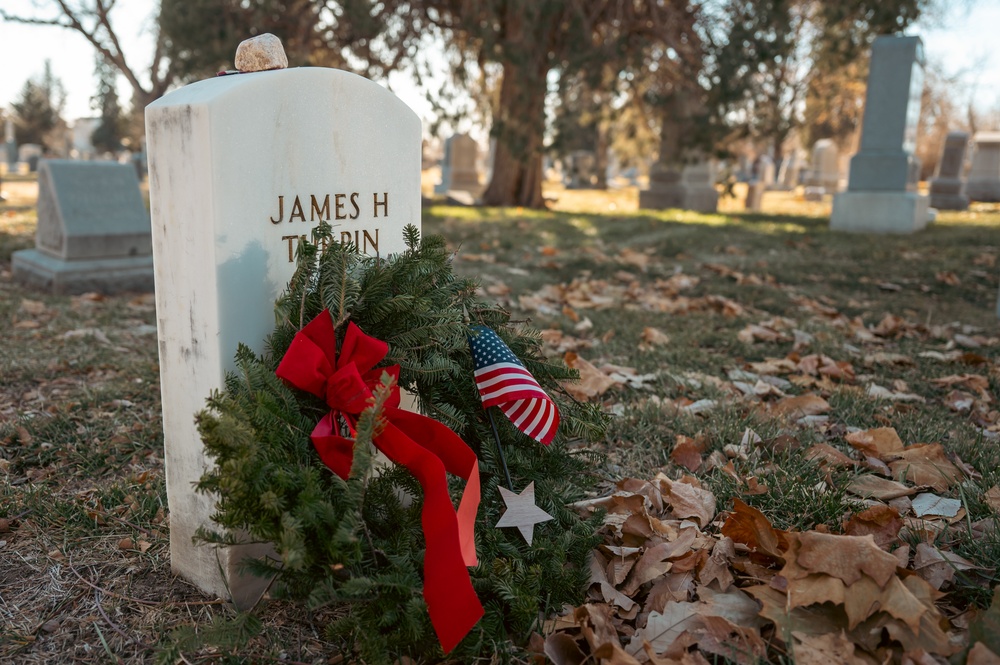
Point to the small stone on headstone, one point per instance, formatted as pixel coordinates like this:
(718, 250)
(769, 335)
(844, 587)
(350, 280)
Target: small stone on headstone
(260, 53)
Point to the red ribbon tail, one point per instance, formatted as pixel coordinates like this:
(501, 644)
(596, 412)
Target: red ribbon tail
(336, 451)
(452, 603)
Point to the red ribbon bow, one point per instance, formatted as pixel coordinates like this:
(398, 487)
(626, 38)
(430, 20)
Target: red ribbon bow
(426, 447)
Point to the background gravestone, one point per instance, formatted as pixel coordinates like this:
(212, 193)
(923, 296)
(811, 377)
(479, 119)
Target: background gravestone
(581, 168)
(11, 145)
(240, 167)
(30, 154)
(882, 192)
(823, 176)
(984, 176)
(93, 230)
(459, 169)
(681, 177)
(947, 186)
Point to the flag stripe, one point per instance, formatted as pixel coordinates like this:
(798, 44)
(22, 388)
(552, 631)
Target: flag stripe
(503, 381)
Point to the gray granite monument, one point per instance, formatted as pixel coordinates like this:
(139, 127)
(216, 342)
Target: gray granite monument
(581, 170)
(948, 186)
(459, 172)
(823, 175)
(681, 177)
(11, 144)
(882, 191)
(93, 230)
(984, 176)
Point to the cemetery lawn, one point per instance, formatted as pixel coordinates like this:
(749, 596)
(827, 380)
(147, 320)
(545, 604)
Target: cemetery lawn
(691, 329)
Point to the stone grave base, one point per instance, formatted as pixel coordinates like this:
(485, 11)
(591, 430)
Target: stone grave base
(948, 194)
(703, 198)
(813, 193)
(48, 273)
(983, 190)
(879, 212)
(949, 201)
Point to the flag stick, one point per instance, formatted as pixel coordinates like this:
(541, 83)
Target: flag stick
(503, 459)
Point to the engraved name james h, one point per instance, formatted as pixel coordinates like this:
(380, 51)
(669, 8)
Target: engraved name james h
(345, 206)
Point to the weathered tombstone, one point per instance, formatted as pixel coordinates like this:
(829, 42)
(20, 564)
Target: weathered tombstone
(766, 170)
(948, 186)
(823, 176)
(787, 175)
(30, 154)
(755, 195)
(93, 230)
(882, 191)
(681, 177)
(458, 168)
(11, 144)
(241, 167)
(581, 169)
(984, 176)
(81, 132)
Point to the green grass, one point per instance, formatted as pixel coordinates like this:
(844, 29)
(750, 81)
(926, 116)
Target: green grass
(81, 442)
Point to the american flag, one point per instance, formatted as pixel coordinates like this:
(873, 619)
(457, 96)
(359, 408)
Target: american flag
(503, 381)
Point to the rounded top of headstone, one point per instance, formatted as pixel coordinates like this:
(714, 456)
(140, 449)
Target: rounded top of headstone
(260, 53)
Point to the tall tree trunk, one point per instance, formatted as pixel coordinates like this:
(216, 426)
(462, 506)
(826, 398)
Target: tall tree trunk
(601, 156)
(519, 122)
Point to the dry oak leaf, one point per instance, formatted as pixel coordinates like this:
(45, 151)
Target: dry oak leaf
(845, 557)
(877, 442)
(717, 566)
(959, 401)
(596, 624)
(825, 649)
(825, 454)
(662, 629)
(652, 337)
(882, 522)
(611, 653)
(980, 654)
(686, 658)
(928, 634)
(720, 637)
(563, 650)
(801, 406)
(755, 333)
(651, 565)
(593, 382)
(812, 620)
(686, 453)
(805, 588)
(868, 486)
(748, 526)
(687, 501)
(992, 498)
(938, 566)
(924, 464)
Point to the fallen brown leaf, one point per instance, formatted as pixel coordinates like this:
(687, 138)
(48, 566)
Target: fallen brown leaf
(869, 486)
(845, 557)
(593, 382)
(800, 406)
(924, 464)
(686, 453)
(876, 442)
(825, 649)
(748, 526)
(880, 521)
(563, 650)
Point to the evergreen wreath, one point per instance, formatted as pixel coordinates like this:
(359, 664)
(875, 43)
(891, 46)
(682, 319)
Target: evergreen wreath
(355, 544)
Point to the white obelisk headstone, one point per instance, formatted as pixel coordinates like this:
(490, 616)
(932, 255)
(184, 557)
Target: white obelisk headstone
(240, 168)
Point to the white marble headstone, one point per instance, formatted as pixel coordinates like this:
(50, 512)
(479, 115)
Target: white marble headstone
(240, 168)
